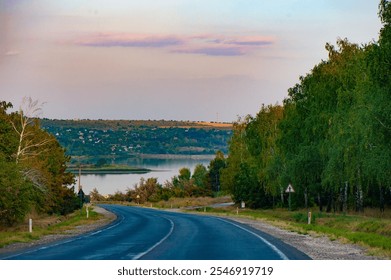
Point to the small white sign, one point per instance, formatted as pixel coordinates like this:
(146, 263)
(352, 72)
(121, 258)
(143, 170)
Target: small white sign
(289, 189)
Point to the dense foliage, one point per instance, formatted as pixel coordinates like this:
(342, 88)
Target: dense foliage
(331, 139)
(32, 168)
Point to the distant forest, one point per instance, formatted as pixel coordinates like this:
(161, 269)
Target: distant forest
(90, 140)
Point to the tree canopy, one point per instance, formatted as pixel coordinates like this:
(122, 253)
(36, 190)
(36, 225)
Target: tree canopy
(330, 139)
(32, 167)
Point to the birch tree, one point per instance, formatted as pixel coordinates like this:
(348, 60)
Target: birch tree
(28, 146)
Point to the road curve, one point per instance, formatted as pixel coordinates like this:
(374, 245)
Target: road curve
(141, 233)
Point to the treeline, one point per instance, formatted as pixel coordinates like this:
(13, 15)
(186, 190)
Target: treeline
(32, 167)
(331, 139)
(128, 124)
(203, 182)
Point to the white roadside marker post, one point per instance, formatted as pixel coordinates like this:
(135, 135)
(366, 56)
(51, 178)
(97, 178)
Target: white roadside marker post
(30, 225)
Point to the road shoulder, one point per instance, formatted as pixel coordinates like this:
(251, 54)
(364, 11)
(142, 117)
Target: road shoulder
(107, 218)
(317, 247)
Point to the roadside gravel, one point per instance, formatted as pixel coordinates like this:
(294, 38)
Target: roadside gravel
(316, 247)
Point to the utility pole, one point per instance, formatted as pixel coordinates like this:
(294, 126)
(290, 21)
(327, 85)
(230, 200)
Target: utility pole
(79, 186)
(80, 192)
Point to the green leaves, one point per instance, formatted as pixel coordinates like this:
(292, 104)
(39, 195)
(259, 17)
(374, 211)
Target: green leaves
(32, 168)
(332, 138)
(16, 194)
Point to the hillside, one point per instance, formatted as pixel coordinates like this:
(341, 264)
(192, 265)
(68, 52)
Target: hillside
(116, 139)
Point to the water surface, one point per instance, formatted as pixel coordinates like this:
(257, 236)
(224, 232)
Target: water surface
(163, 170)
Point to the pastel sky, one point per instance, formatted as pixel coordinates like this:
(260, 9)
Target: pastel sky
(173, 59)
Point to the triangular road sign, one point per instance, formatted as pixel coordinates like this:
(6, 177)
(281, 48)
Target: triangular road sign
(289, 189)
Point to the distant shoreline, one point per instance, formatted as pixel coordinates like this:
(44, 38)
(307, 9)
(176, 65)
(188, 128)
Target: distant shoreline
(127, 169)
(109, 169)
(176, 156)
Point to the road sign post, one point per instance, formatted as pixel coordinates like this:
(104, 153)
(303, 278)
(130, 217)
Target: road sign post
(289, 190)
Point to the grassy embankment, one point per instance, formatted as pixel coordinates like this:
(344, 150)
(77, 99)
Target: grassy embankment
(45, 226)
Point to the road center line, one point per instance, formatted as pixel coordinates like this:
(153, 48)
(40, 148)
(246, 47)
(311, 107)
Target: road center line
(158, 243)
(274, 248)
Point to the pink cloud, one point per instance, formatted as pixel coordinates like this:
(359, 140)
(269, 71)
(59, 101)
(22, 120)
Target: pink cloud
(213, 50)
(250, 41)
(129, 40)
(205, 44)
(218, 45)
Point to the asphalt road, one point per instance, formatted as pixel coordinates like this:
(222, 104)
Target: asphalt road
(140, 233)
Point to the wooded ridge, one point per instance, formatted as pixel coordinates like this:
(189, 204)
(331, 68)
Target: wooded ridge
(133, 138)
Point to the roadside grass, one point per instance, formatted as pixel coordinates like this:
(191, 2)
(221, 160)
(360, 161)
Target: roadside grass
(45, 225)
(370, 231)
(190, 202)
(176, 202)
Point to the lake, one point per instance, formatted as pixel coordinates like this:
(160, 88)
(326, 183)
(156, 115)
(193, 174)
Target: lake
(163, 169)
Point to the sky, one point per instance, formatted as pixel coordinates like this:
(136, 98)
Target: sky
(213, 60)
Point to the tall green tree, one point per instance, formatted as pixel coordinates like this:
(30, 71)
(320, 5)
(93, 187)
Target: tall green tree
(38, 179)
(200, 176)
(215, 167)
(331, 140)
(237, 154)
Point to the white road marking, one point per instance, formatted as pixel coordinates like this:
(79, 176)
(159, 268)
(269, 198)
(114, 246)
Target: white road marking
(274, 248)
(138, 256)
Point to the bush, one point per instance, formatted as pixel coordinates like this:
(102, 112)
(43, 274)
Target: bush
(15, 198)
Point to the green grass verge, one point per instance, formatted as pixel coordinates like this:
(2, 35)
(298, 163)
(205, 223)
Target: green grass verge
(46, 226)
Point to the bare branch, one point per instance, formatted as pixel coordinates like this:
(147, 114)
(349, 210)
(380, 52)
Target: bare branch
(29, 110)
(36, 178)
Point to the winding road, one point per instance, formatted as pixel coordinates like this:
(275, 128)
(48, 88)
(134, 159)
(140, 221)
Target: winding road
(148, 234)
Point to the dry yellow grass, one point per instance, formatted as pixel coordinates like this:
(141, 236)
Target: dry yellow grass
(200, 125)
(216, 124)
